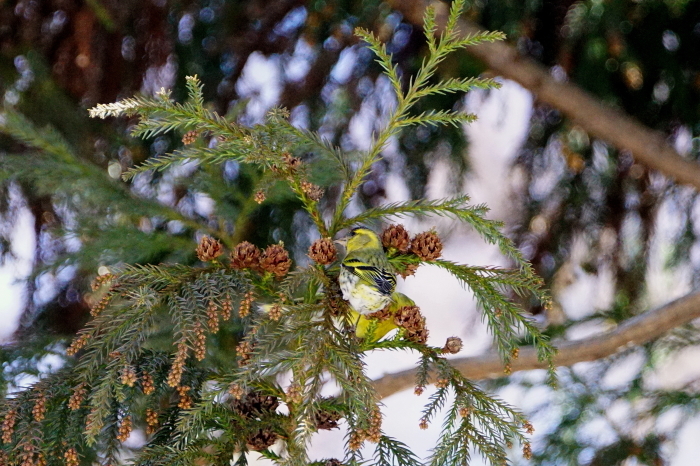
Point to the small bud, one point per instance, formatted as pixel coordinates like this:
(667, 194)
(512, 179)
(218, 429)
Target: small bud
(294, 394)
(78, 344)
(323, 251)
(243, 351)
(259, 197)
(427, 246)
(185, 401)
(124, 429)
(245, 304)
(453, 345)
(39, 409)
(77, 397)
(292, 163)
(423, 424)
(314, 192)
(8, 426)
(529, 428)
(147, 383)
(128, 376)
(190, 137)
(442, 383)
(151, 421)
(208, 249)
(236, 391)
(275, 312)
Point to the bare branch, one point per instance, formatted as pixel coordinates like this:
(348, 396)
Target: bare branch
(635, 331)
(647, 146)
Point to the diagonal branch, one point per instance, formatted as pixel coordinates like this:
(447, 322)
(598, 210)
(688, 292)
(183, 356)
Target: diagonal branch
(635, 331)
(647, 146)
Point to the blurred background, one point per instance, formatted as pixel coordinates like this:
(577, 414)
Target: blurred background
(611, 238)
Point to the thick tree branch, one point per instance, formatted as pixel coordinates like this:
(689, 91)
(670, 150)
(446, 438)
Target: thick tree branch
(635, 331)
(647, 146)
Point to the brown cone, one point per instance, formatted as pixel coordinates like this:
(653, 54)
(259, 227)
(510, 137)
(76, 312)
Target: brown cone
(245, 256)
(327, 420)
(323, 251)
(396, 236)
(208, 249)
(408, 271)
(261, 440)
(410, 318)
(453, 345)
(255, 403)
(275, 260)
(427, 246)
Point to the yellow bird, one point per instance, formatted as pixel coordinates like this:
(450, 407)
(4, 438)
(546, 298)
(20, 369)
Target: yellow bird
(366, 277)
(384, 326)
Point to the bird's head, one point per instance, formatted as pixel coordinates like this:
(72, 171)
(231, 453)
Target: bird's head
(361, 238)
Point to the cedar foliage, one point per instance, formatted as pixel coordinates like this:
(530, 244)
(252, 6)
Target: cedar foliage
(143, 359)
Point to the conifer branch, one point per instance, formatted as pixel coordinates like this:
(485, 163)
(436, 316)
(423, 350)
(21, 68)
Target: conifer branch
(150, 331)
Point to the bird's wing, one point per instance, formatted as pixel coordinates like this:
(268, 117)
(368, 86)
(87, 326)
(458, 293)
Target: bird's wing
(382, 278)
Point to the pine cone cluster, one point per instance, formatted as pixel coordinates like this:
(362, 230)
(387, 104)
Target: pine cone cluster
(245, 256)
(426, 246)
(254, 404)
(323, 251)
(275, 259)
(410, 318)
(209, 249)
(262, 439)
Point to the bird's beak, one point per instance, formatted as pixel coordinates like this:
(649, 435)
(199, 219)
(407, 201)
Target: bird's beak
(343, 244)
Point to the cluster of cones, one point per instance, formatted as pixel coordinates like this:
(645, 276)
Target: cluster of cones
(256, 405)
(274, 259)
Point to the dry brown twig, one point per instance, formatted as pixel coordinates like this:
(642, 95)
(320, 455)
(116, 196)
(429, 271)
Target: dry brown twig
(647, 146)
(635, 331)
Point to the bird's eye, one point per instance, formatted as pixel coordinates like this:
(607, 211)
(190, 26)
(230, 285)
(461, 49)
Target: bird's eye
(354, 231)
